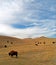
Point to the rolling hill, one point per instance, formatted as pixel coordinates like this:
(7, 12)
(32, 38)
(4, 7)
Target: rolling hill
(28, 52)
(6, 40)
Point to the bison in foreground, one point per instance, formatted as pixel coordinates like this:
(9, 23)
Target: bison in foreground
(12, 53)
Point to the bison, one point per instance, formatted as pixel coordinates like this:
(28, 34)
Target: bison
(36, 44)
(12, 53)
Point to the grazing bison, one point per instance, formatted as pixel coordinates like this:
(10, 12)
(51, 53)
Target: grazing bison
(12, 53)
(43, 42)
(5, 46)
(36, 44)
(53, 42)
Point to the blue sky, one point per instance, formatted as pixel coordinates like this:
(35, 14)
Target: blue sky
(28, 18)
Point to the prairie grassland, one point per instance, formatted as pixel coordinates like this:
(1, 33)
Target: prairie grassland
(29, 54)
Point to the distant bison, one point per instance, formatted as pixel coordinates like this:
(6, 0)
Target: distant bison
(53, 42)
(12, 53)
(5, 46)
(36, 44)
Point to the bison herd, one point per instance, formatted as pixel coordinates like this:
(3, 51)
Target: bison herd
(15, 53)
(37, 43)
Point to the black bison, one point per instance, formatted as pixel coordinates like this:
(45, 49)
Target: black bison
(36, 44)
(53, 42)
(12, 53)
(43, 42)
(5, 46)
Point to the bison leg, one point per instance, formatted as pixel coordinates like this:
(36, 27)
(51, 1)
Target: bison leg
(16, 54)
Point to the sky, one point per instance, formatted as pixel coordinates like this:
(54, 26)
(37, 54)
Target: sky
(28, 18)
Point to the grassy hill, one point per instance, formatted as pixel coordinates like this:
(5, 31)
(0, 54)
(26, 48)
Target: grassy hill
(5, 40)
(28, 52)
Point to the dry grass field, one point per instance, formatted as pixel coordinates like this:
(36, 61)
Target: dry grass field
(28, 52)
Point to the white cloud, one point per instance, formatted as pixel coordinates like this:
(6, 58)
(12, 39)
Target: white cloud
(12, 11)
(24, 33)
(8, 8)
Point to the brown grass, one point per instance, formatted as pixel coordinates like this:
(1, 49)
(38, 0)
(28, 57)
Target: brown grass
(29, 53)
